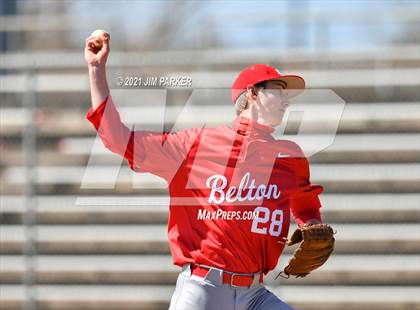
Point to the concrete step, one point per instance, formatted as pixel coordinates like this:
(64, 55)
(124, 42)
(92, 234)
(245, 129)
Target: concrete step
(149, 239)
(158, 269)
(14, 157)
(72, 82)
(394, 55)
(158, 297)
(357, 95)
(342, 143)
(355, 118)
(337, 208)
(349, 178)
(346, 148)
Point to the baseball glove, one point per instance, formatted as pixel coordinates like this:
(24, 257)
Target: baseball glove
(316, 245)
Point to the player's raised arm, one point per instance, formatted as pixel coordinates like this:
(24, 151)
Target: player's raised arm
(103, 114)
(96, 55)
(164, 152)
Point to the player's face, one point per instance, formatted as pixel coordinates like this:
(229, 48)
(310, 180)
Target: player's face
(273, 102)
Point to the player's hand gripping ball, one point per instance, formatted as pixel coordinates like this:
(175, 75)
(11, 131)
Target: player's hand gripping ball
(99, 37)
(316, 246)
(97, 48)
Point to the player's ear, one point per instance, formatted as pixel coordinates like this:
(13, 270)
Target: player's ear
(251, 92)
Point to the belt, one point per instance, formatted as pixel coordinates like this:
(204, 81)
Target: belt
(231, 278)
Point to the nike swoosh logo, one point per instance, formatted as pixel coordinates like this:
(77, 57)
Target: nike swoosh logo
(281, 155)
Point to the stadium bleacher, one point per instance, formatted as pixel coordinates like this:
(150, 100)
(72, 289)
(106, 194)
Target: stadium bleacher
(114, 254)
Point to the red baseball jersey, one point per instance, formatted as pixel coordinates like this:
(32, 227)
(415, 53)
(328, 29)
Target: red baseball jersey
(231, 188)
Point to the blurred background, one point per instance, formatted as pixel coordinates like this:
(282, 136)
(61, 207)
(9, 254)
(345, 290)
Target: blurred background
(67, 247)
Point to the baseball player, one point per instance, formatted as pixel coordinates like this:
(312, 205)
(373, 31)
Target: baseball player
(232, 190)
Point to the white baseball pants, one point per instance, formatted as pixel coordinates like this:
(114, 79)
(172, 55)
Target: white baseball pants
(196, 293)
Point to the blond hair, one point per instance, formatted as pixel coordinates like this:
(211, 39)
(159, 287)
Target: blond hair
(241, 103)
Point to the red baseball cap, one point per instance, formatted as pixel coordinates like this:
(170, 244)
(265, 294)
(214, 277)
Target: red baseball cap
(257, 73)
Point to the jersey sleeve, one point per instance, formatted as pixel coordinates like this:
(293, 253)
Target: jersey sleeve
(159, 153)
(304, 199)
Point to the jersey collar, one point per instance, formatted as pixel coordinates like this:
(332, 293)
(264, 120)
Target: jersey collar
(247, 126)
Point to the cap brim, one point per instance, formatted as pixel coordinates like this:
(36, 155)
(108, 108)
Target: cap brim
(294, 84)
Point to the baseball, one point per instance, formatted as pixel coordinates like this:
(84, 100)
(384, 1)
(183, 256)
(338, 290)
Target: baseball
(100, 36)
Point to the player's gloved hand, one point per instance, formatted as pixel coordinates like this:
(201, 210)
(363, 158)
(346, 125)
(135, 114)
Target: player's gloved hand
(316, 245)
